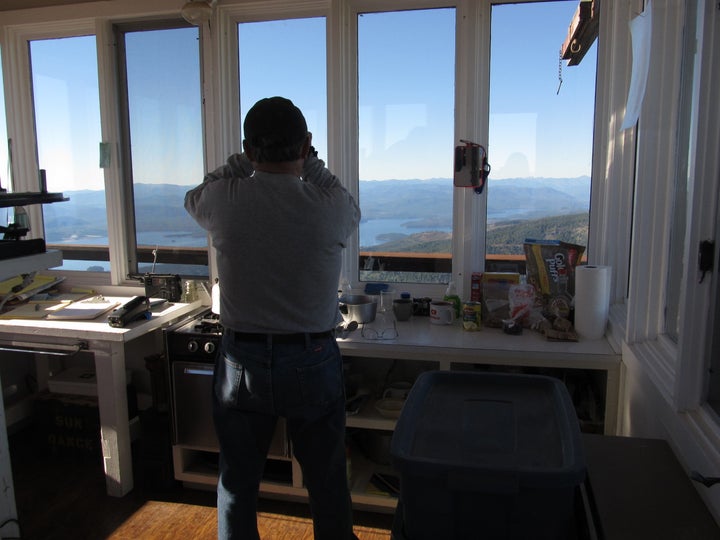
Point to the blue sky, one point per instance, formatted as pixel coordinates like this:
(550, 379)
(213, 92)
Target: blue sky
(533, 130)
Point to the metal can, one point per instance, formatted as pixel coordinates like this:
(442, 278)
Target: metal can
(471, 316)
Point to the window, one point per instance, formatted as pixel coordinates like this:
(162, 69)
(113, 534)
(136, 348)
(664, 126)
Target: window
(541, 131)
(680, 201)
(406, 121)
(4, 162)
(266, 71)
(164, 146)
(67, 125)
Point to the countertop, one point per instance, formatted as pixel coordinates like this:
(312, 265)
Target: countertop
(98, 329)
(418, 338)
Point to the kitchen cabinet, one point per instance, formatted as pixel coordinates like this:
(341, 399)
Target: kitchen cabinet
(591, 369)
(42, 337)
(420, 346)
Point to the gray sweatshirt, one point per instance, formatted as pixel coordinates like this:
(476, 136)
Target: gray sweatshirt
(279, 241)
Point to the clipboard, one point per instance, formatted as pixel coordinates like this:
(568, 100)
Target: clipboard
(86, 310)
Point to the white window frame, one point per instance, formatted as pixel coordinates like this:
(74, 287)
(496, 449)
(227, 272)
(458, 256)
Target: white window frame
(19, 101)
(698, 305)
(17, 30)
(677, 370)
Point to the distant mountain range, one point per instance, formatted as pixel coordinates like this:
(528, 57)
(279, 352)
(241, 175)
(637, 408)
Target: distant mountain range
(512, 198)
(425, 204)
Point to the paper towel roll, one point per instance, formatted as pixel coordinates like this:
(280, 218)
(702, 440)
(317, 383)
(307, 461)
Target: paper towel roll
(592, 300)
(215, 297)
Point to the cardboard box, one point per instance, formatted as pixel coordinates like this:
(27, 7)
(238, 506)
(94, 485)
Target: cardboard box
(69, 425)
(488, 455)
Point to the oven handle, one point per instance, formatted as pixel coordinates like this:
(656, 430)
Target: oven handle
(198, 371)
(55, 349)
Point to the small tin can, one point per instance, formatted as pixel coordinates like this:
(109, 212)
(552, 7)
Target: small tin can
(471, 316)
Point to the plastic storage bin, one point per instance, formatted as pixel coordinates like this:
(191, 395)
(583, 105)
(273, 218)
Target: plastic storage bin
(487, 455)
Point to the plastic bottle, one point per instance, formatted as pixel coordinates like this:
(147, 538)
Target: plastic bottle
(345, 288)
(190, 292)
(452, 296)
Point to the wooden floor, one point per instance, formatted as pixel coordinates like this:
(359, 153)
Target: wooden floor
(63, 498)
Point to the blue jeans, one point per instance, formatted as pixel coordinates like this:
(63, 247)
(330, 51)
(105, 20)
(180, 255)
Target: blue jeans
(254, 384)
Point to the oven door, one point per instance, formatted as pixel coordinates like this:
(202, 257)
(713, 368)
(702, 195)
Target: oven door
(192, 405)
(192, 410)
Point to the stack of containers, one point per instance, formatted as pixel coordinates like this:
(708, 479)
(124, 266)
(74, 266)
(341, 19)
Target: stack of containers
(487, 455)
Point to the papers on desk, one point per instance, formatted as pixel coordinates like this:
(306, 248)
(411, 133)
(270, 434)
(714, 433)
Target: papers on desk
(18, 288)
(35, 309)
(88, 309)
(21, 288)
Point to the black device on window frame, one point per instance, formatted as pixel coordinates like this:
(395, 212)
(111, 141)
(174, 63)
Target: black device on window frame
(166, 286)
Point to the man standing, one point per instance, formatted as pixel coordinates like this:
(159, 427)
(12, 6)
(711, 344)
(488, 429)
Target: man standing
(279, 221)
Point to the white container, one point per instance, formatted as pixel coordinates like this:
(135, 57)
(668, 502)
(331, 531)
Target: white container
(592, 300)
(215, 295)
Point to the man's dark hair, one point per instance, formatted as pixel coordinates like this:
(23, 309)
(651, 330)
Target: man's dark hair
(275, 130)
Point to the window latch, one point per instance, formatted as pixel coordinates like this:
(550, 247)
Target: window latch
(706, 254)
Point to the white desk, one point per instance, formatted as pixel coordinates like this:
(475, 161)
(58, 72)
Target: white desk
(108, 346)
(451, 347)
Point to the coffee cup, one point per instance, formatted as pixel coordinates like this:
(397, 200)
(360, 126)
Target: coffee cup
(442, 312)
(403, 308)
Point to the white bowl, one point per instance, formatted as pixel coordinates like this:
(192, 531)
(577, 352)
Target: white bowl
(390, 407)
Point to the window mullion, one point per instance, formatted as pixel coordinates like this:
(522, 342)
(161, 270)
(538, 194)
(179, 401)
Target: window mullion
(121, 229)
(472, 87)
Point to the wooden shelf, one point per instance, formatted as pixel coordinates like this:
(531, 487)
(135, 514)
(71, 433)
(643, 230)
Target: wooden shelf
(370, 418)
(27, 198)
(30, 263)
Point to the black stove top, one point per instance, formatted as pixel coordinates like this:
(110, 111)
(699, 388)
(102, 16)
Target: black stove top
(205, 322)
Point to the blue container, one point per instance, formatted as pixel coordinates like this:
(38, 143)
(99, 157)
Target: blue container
(487, 455)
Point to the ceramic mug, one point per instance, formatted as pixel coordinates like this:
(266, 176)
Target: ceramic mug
(442, 312)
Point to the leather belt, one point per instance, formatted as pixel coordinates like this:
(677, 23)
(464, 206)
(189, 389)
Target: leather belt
(282, 339)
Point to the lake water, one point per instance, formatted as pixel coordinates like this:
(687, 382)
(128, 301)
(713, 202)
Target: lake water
(369, 233)
(370, 230)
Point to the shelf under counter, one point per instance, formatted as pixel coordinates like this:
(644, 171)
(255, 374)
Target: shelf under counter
(449, 347)
(369, 418)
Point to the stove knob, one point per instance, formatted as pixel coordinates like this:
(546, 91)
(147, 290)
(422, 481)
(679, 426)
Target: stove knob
(209, 347)
(192, 346)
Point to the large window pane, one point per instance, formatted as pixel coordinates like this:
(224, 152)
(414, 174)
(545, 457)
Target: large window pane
(166, 146)
(67, 122)
(286, 58)
(686, 126)
(4, 165)
(540, 140)
(406, 95)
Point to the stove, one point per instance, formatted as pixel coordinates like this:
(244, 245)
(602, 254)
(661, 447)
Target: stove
(191, 346)
(196, 339)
